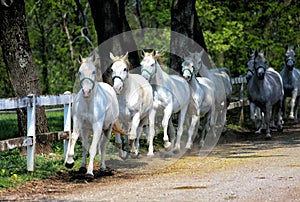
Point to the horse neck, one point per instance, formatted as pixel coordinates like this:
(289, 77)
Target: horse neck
(258, 83)
(204, 71)
(287, 72)
(127, 82)
(159, 76)
(193, 82)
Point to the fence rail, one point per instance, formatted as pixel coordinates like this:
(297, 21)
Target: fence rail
(31, 101)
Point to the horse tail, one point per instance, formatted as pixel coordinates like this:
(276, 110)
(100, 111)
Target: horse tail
(117, 129)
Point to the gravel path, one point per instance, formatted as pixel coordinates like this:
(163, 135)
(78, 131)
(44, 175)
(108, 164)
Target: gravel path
(249, 169)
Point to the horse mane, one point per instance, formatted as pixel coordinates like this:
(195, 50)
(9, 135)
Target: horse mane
(158, 58)
(122, 59)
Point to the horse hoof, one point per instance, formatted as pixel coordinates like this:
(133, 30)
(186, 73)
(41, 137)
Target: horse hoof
(89, 176)
(124, 156)
(134, 155)
(82, 170)
(69, 165)
(268, 137)
(167, 145)
(150, 154)
(291, 117)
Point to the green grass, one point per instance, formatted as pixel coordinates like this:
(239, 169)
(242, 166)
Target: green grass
(13, 167)
(8, 126)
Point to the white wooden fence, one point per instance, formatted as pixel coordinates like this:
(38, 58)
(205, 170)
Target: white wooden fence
(31, 102)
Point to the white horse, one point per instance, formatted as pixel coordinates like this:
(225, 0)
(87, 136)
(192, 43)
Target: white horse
(135, 98)
(95, 110)
(222, 87)
(202, 102)
(291, 83)
(172, 93)
(265, 90)
(255, 113)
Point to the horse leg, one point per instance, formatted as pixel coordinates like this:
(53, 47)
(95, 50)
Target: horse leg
(267, 120)
(296, 108)
(181, 118)
(165, 122)
(191, 131)
(172, 132)
(284, 107)
(151, 131)
(293, 100)
(104, 139)
(69, 161)
(85, 148)
(122, 154)
(133, 133)
(97, 128)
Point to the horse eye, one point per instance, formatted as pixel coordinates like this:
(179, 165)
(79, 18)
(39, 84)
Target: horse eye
(94, 72)
(152, 65)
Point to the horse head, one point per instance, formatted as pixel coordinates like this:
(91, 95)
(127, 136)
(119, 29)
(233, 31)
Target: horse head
(87, 75)
(120, 69)
(290, 58)
(260, 65)
(188, 66)
(148, 64)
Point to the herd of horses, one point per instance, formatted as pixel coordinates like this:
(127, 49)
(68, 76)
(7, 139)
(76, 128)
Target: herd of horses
(134, 100)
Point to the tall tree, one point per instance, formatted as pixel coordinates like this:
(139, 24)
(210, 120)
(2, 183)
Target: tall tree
(110, 20)
(184, 20)
(19, 62)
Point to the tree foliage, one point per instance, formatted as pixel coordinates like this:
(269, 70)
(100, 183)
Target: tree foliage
(230, 28)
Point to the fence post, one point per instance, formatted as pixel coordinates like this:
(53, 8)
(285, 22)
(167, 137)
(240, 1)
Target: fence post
(241, 98)
(67, 122)
(31, 119)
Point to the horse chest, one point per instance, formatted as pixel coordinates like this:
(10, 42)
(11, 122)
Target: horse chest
(126, 110)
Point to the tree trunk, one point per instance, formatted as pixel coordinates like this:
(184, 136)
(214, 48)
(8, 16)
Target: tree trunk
(110, 20)
(19, 64)
(184, 20)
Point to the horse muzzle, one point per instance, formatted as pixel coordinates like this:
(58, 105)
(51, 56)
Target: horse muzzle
(187, 77)
(290, 65)
(86, 92)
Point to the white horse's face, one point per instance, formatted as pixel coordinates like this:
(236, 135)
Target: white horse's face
(148, 69)
(187, 69)
(119, 74)
(87, 76)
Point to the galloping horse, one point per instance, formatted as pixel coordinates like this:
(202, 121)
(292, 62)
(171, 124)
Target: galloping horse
(95, 109)
(265, 90)
(221, 86)
(171, 92)
(291, 83)
(135, 98)
(202, 102)
(255, 112)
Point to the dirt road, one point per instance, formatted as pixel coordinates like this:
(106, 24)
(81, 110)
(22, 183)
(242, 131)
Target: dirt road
(242, 167)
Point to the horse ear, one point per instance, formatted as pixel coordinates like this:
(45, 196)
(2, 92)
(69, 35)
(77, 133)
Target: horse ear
(93, 56)
(80, 59)
(111, 56)
(126, 56)
(201, 53)
(153, 53)
(143, 53)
